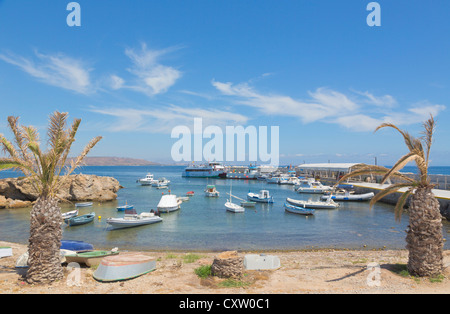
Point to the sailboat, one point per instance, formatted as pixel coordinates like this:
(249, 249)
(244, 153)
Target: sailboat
(231, 207)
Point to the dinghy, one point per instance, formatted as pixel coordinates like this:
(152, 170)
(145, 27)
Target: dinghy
(70, 214)
(261, 262)
(168, 203)
(80, 220)
(86, 204)
(298, 210)
(328, 204)
(350, 197)
(262, 197)
(125, 207)
(77, 246)
(5, 251)
(89, 258)
(124, 266)
(132, 219)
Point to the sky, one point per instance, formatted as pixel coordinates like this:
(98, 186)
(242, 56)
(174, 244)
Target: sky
(134, 70)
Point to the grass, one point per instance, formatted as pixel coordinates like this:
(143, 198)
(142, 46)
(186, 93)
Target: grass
(203, 271)
(402, 270)
(232, 283)
(187, 258)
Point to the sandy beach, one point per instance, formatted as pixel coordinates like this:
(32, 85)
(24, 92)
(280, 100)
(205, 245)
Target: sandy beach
(301, 272)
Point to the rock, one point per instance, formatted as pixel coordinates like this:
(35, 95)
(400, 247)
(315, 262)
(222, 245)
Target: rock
(19, 192)
(228, 265)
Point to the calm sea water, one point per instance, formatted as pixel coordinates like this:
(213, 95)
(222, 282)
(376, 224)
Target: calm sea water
(203, 223)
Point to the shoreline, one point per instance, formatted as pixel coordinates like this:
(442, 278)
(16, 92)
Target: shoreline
(321, 271)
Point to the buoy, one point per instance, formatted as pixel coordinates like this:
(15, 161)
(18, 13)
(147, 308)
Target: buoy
(99, 217)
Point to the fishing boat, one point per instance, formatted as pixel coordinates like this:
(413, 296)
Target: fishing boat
(211, 191)
(70, 214)
(328, 204)
(124, 266)
(80, 220)
(125, 207)
(163, 182)
(350, 197)
(86, 204)
(298, 210)
(90, 259)
(148, 180)
(190, 193)
(168, 203)
(132, 219)
(77, 246)
(312, 186)
(262, 197)
(232, 207)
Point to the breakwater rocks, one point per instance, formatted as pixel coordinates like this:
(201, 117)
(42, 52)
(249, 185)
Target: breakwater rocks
(19, 192)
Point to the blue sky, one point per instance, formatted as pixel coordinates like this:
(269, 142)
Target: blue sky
(135, 69)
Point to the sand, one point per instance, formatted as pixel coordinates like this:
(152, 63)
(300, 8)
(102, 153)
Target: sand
(301, 272)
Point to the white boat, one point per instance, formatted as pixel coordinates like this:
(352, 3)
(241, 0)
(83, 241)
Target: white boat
(242, 172)
(288, 181)
(231, 207)
(312, 186)
(328, 204)
(86, 204)
(262, 197)
(298, 210)
(131, 219)
(70, 214)
(211, 191)
(350, 197)
(211, 170)
(148, 180)
(273, 179)
(183, 198)
(169, 203)
(163, 182)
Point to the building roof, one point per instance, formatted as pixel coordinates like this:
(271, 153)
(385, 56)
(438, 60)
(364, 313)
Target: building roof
(345, 167)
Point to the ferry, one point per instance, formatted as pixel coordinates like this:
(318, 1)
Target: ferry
(241, 172)
(211, 170)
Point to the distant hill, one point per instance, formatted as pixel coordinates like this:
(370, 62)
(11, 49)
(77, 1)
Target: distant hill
(116, 161)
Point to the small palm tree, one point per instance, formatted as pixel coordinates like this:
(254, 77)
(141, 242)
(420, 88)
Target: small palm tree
(47, 171)
(424, 234)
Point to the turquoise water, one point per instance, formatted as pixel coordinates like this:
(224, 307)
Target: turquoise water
(203, 223)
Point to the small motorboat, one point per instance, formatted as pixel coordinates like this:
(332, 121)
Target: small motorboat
(86, 204)
(350, 197)
(148, 180)
(77, 246)
(80, 220)
(262, 197)
(163, 182)
(328, 204)
(211, 191)
(183, 198)
(168, 203)
(124, 266)
(70, 214)
(125, 207)
(132, 219)
(299, 210)
(312, 186)
(190, 193)
(90, 259)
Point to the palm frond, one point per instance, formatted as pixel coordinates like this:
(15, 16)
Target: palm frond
(401, 204)
(389, 190)
(374, 170)
(19, 137)
(400, 164)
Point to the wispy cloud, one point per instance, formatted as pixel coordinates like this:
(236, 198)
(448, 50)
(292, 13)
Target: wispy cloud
(149, 75)
(164, 120)
(57, 70)
(358, 111)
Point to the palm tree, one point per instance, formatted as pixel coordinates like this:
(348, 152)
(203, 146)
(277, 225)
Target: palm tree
(47, 171)
(424, 233)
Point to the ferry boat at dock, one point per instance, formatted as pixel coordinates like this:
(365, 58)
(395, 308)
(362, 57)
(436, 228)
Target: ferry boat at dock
(241, 172)
(210, 170)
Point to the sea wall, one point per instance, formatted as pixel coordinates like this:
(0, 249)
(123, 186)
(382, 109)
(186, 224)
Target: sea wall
(19, 192)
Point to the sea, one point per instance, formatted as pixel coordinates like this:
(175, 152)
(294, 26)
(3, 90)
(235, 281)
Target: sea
(203, 224)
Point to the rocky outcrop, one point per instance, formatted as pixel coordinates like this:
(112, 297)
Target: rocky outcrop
(19, 192)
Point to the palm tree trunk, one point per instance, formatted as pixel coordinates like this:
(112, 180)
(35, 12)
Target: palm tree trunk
(424, 235)
(45, 242)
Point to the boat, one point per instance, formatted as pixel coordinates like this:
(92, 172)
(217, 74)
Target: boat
(190, 193)
(350, 197)
(262, 197)
(77, 246)
(148, 180)
(261, 262)
(298, 210)
(90, 259)
(132, 219)
(248, 204)
(328, 204)
(211, 191)
(232, 207)
(273, 179)
(288, 181)
(70, 214)
(210, 170)
(124, 266)
(241, 172)
(5, 251)
(312, 186)
(125, 207)
(163, 182)
(22, 260)
(80, 220)
(183, 198)
(168, 203)
(86, 204)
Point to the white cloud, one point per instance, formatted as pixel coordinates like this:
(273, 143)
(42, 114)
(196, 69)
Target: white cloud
(56, 70)
(150, 77)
